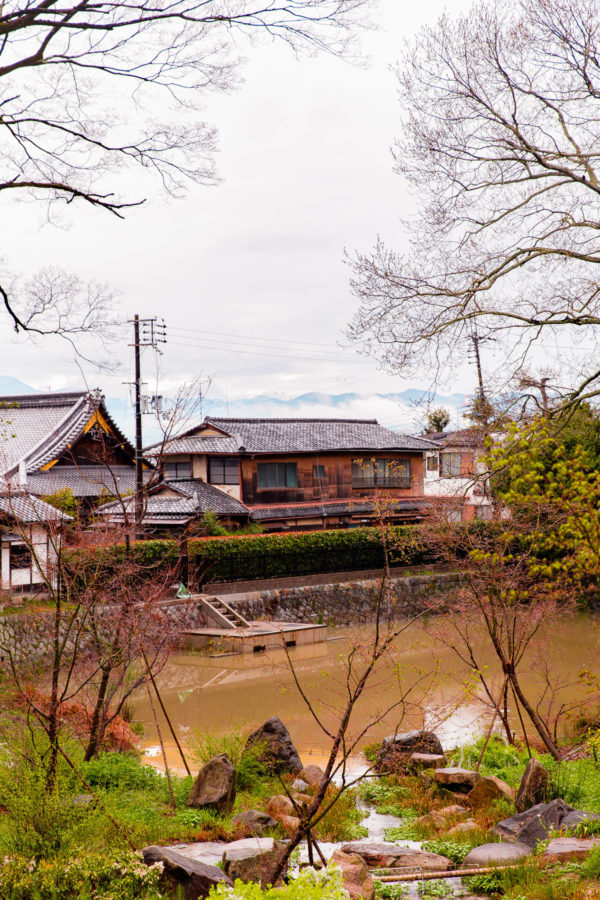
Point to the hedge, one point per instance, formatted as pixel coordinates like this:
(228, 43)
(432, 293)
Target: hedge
(249, 557)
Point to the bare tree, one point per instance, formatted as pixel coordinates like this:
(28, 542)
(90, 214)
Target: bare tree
(91, 88)
(500, 142)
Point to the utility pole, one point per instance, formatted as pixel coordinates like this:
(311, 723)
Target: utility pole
(146, 333)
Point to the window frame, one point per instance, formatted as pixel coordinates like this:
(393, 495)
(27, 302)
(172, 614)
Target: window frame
(179, 463)
(320, 475)
(275, 476)
(374, 472)
(446, 455)
(230, 473)
(21, 556)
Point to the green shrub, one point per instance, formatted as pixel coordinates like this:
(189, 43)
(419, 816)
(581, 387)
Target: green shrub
(250, 771)
(450, 849)
(390, 891)
(500, 759)
(310, 884)
(247, 557)
(90, 876)
(122, 771)
(485, 884)
(435, 888)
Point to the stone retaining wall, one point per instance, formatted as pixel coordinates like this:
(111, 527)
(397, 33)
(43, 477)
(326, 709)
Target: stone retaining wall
(27, 638)
(350, 603)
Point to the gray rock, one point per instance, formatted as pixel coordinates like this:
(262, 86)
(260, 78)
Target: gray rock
(385, 854)
(573, 819)
(182, 876)
(426, 761)
(277, 751)
(214, 788)
(567, 848)
(213, 852)
(299, 785)
(533, 825)
(496, 854)
(254, 819)
(259, 866)
(459, 781)
(396, 749)
(533, 787)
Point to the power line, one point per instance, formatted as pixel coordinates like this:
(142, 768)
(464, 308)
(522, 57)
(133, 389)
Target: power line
(266, 352)
(251, 337)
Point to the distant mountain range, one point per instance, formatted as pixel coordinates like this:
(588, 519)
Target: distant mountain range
(404, 411)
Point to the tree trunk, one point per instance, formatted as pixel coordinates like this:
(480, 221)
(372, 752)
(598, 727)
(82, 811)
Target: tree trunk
(535, 719)
(92, 747)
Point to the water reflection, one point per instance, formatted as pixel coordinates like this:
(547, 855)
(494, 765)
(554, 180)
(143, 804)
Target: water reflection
(239, 692)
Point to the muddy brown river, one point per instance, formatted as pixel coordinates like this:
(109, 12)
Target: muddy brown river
(425, 681)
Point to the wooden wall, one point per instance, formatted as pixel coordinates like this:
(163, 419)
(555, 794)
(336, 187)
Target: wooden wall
(337, 483)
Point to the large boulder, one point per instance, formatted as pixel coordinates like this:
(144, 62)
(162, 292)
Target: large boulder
(214, 788)
(533, 787)
(255, 820)
(258, 867)
(459, 781)
(279, 806)
(182, 876)
(396, 749)
(419, 761)
(213, 852)
(385, 854)
(488, 789)
(276, 750)
(357, 880)
(533, 825)
(567, 848)
(313, 775)
(496, 854)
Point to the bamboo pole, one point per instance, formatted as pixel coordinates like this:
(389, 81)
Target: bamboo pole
(440, 873)
(165, 713)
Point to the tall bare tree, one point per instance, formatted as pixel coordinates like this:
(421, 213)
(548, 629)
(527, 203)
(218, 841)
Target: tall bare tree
(97, 86)
(501, 146)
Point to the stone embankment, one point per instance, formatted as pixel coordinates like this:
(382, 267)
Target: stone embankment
(346, 603)
(27, 637)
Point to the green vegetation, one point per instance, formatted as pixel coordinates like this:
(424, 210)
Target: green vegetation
(88, 876)
(435, 888)
(271, 555)
(448, 848)
(309, 885)
(64, 500)
(389, 891)
(501, 759)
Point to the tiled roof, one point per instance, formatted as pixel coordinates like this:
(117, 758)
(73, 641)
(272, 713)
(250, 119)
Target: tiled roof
(30, 510)
(295, 436)
(195, 498)
(36, 428)
(466, 437)
(316, 510)
(85, 481)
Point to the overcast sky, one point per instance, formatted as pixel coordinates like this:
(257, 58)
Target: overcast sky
(245, 272)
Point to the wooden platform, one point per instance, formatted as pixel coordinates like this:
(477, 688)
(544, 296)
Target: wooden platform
(259, 636)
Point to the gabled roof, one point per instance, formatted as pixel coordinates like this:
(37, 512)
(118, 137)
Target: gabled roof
(86, 481)
(466, 437)
(37, 428)
(193, 500)
(29, 510)
(294, 436)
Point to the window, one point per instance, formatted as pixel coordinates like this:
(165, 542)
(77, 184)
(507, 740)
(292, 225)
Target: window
(450, 464)
(368, 473)
(178, 469)
(223, 470)
(433, 462)
(318, 473)
(277, 475)
(20, 556)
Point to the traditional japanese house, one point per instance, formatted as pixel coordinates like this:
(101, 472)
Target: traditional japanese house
(304, 473)
(64, 441)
